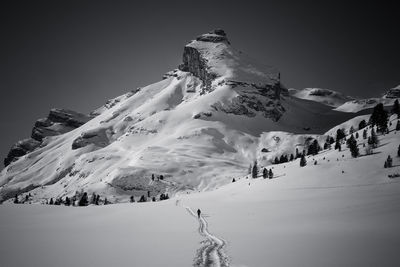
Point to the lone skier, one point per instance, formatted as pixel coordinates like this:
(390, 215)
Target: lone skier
(198, 213)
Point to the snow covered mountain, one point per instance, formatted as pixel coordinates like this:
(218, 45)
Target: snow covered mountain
(336, 203)
(324, 96)
(361, 104)
(203, 124)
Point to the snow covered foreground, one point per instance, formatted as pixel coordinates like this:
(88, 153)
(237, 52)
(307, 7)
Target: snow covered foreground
(340, 212)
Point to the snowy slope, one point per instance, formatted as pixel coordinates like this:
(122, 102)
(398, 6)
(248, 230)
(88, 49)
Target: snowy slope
(362, 104)
(325, 96)
(341, 212)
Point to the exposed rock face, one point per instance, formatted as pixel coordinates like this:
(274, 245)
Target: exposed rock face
(214, 36)
(21, 148)
(97, 137)
(211, 58)
(393, 93)
(58, 121)
(193, 62)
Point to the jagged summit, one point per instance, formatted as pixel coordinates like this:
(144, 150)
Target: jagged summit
(212, 59)
(215, 36)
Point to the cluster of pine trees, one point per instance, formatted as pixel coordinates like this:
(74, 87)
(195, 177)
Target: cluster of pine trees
(143, 198)
(267, 173)
(25, 200)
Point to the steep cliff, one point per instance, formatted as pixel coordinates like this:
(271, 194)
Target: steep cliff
(217, 64)
(59, 121)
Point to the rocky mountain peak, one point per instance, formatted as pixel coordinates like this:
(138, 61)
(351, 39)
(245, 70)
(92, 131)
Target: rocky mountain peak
(212, 59)
(215, 36)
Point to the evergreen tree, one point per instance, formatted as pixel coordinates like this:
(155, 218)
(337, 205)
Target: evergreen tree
(303, 161)
(389, 161)
(51, 201)
(254, 171)
(373, 139)
(265, 173)
(276, 161)
(97, 200)
(398, 151)
(351, 131)
(67, 201)
(132, 199)
(379, 117)
(152, 176)
(357, 135)
(106, 201)
(340, 134)
(142, 199)
(352, 144)
(84, 200)
(368, 149)
(338, 145)
(297, 153)
(365, 134)
(233, 180)
(326, 145)
(396, 107)
(362, 124)
(250, 168)
(398, 125)
(331, 140)
(291, 157)
(327, 141)
(313, 148)
(283, 159)
(270, 174)
(348, 141)
(153, 199)
(16, 201)
(93, 198)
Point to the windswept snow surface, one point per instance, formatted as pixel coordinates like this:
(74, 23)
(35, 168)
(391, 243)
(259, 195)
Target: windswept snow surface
(343, 211)
(362, 104)
(324, 96)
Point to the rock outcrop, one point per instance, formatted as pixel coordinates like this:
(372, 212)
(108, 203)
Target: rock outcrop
(214, 36)
(211, 58)
(97, 137)
(21, 148)
(393, 93)
(59, 121)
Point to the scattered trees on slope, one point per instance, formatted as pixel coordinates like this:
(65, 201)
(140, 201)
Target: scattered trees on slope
(379, 117)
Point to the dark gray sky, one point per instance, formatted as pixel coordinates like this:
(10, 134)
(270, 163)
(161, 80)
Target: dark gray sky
(78, 54)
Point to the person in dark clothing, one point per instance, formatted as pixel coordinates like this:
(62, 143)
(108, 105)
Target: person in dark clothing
(198, 212)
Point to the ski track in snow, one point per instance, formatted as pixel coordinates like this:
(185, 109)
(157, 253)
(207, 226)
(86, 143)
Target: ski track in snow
(212, 253)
